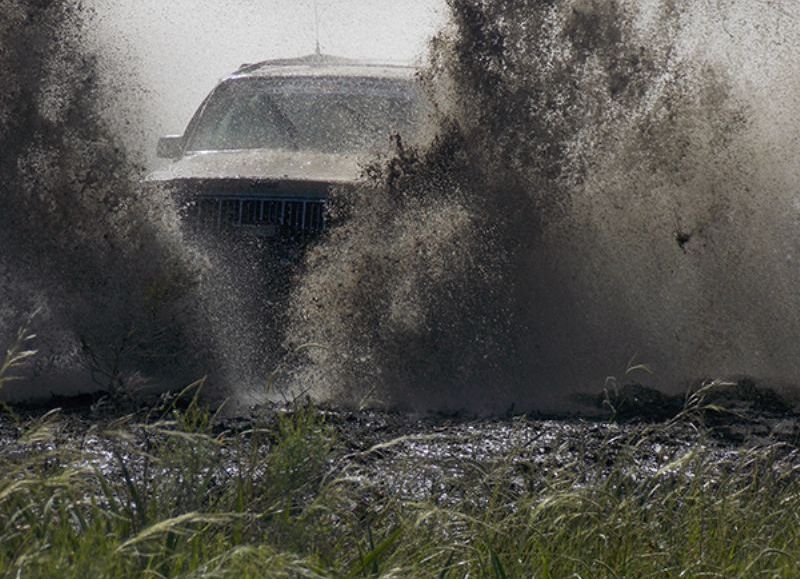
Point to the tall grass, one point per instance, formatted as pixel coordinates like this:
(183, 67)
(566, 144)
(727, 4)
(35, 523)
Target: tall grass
(17, 355)
(171, 495)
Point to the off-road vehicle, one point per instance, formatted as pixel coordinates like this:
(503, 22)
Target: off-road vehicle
(266, 146)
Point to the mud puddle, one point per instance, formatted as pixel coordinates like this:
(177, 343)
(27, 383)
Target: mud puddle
(407, 457)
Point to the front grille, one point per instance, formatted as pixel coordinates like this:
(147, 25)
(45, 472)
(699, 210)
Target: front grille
(269, 216)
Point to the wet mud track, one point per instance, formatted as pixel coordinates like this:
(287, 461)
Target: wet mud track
(407, 458)
(454, 460)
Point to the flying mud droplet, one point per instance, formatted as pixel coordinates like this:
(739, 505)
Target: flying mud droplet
(683, 237)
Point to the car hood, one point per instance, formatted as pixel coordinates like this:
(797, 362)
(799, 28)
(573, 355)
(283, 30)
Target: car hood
(266, 164)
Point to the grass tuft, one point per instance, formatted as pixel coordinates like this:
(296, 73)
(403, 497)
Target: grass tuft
(176, 495)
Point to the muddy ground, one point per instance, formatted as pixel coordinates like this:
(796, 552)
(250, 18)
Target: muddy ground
(421, 457)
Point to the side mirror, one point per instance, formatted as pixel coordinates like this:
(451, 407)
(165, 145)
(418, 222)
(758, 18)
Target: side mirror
(170, 147)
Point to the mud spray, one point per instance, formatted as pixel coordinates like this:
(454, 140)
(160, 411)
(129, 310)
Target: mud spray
(80, 242)
(610, 179)
(124, 301)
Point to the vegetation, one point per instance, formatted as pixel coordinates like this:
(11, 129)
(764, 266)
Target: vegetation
(169, 494)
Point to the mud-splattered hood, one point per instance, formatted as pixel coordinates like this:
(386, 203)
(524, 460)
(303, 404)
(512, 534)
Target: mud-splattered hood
(263, 164)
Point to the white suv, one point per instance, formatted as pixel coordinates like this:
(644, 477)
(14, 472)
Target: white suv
(268, 143)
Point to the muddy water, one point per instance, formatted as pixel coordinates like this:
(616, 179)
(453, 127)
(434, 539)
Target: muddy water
(445, 460)
(80, 242)
(124, 301)
(613, 184)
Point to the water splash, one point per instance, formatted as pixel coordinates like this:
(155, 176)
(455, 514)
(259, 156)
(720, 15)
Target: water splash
(609, 181)
(80, 239)
(126, 299)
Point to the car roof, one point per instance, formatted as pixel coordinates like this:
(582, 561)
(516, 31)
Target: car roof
(324, 65)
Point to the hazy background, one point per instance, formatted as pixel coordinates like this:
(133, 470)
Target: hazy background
(169, 55)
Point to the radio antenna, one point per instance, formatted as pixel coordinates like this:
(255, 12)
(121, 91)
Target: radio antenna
(316, 26)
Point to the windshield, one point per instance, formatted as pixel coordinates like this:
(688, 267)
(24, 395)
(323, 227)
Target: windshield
(328, 115)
